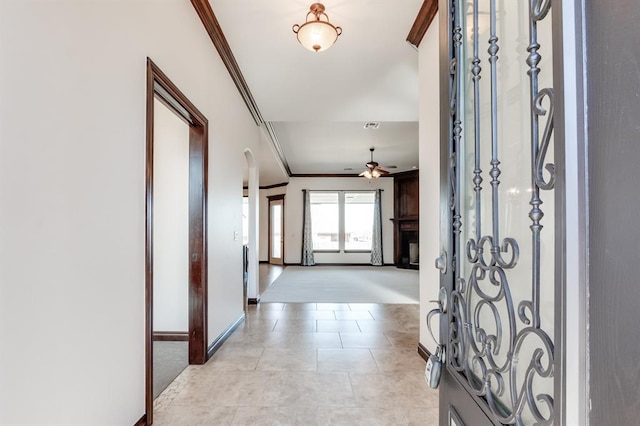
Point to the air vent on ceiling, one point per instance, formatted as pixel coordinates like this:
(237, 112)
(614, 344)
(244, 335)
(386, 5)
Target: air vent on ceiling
(371, 125)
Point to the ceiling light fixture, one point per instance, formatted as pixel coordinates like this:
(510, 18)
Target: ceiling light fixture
(317, 34)
(373, 169)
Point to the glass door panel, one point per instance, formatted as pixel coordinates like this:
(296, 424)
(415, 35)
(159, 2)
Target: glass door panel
(276, 231)
(502, 307)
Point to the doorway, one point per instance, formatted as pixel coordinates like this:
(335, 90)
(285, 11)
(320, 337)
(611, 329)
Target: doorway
(170, 245)
(193, 260)
(276, 229)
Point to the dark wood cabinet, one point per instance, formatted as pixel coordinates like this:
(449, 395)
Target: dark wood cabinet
(406, 220)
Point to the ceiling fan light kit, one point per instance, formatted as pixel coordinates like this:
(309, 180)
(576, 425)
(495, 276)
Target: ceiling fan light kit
(317, 33)
(373, 170)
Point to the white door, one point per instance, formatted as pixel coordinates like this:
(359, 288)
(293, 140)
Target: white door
(276, 231)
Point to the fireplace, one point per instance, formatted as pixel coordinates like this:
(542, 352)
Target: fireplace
(406, 249)
(414, 253)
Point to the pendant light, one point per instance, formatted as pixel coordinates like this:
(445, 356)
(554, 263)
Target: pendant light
(317, 33)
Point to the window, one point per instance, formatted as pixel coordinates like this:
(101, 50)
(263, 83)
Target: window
(358, 220)
(325, 220)
(342, 220)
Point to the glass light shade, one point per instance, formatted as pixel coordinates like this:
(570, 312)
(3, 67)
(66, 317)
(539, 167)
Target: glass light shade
(317, 35)
(375, 173)
(367, 174)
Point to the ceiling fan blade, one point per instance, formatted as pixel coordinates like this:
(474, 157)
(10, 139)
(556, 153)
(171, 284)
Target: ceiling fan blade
(389, 167)
(382, 171)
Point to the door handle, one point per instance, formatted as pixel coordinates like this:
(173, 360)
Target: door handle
(441, 263)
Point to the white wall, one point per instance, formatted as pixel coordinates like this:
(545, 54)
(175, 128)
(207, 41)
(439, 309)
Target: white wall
(72, 179)
(170, 221)
(293, 217)
(429, 131)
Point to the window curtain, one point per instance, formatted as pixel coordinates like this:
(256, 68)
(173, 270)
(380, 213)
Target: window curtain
(307, 237)
(376, 240)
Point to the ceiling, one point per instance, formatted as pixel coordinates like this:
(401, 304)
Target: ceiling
(318, 103)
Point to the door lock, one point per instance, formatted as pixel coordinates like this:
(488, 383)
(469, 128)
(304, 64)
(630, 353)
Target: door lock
(441, 262)
(433, 370)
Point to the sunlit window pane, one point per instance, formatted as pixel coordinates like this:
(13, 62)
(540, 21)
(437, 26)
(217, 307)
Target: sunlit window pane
(276, 231)
(325, 220)
(358, 220)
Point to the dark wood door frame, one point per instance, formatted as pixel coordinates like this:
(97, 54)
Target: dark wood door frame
(276, 198)
(160, 87)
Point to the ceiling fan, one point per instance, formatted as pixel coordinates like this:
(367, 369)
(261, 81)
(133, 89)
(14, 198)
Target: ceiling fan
(373, 169)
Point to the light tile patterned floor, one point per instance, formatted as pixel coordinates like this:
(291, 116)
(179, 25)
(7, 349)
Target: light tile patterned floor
(309, 364)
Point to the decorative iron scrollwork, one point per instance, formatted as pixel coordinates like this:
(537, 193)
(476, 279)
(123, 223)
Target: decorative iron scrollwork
(497, 349)
(545, 141)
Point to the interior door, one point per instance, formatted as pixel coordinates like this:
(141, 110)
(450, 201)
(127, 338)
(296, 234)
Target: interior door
(499, 238)
(276, 231)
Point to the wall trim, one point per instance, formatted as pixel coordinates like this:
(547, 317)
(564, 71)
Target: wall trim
(340, 264)
(217, 343)
(276, 197)
(254, 300)
(333, 175)
(423, 21)
(275, 143)
(423, 352)
(170, 336)
(277, 185)
(142, 421)
(212, 26)
(412, 172)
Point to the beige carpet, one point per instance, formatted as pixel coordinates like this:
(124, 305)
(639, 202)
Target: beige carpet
(344, 284)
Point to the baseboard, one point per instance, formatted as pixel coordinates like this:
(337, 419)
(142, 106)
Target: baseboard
(170, 336)
(263, 261)
(142, 421)
(253, 300)
(423, 352)
(342, 264)
(216, 344)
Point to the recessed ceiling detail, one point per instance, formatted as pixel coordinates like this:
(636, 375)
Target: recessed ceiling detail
(318, 104)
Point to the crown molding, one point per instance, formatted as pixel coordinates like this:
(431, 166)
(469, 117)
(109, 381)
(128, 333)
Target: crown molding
(276, 185)
(211, 25)
(276, 147)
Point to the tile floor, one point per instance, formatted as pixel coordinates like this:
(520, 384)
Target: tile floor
(309, 364)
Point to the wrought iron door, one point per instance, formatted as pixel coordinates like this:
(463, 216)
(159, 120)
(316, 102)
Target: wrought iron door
(499, 332)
